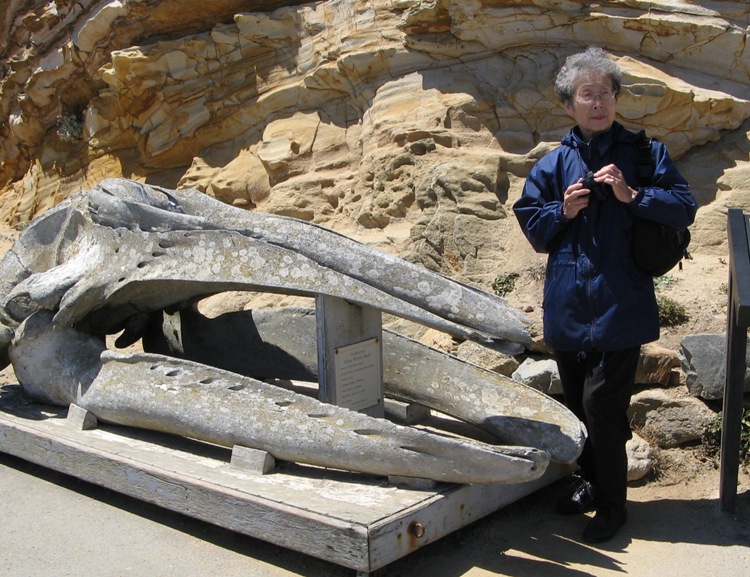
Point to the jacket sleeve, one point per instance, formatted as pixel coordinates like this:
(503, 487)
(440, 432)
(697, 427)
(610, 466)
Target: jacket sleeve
(539, 211)
(667, 200)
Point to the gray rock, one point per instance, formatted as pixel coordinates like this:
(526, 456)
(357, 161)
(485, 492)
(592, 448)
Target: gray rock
(703, 358)
(655, 365)
(666, 420)
(493, 360)
(640, 458)
(541, 375)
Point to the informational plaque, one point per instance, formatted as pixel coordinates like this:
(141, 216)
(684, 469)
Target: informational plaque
(358, 375)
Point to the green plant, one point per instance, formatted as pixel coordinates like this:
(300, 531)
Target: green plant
(711, 438)
(671, 313)
(664, 282)
(504, 283)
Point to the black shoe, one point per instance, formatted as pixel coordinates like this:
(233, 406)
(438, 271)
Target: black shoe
(604, 525)
(581, 500)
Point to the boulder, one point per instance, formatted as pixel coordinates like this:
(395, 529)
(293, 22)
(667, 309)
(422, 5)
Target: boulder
(640, 458)
(703, 359)
(539, 374)
(478, 354)
(655, 365)
(420, 116)
(668, 420)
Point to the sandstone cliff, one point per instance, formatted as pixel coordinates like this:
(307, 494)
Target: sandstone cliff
(403, 122)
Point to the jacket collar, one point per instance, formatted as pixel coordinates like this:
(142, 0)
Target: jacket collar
(601, 142)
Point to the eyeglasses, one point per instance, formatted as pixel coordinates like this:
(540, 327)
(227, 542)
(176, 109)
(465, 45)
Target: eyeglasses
(588, 96)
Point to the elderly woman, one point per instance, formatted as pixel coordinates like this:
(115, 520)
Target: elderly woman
(599, 308)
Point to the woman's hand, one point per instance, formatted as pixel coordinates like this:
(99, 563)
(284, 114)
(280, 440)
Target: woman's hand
(575, 199)
(612, 176)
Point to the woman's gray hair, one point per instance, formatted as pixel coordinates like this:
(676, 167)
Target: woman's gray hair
(593, 60)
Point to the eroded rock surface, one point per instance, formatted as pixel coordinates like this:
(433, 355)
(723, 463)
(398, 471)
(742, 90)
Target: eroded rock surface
(411, 123)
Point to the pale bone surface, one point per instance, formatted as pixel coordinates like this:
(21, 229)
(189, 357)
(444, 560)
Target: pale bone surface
(113, 258)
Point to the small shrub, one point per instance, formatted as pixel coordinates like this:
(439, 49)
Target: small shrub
(538, 272)
(664, 282)
(745, 436)
(711, 438)
(505, 283)
(671, 313)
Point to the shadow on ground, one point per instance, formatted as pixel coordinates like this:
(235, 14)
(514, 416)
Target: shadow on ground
(525, 539)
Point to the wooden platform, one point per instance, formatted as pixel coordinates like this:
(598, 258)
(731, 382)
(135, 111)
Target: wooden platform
(354, 520)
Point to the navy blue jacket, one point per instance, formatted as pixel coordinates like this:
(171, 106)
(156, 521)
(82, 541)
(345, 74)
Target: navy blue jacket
(595, 298)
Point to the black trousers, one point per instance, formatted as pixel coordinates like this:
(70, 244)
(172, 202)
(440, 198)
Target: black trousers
(597, 388)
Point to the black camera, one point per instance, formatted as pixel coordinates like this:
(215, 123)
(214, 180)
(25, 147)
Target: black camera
(601, 191)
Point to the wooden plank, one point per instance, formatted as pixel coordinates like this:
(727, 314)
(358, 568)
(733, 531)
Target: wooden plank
(252, 460)
(81, 418)
(354, 520)
(306, 487)
(266, 519)
(448, 511)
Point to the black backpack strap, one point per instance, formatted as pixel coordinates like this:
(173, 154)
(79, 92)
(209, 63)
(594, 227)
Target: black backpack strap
(646, 164)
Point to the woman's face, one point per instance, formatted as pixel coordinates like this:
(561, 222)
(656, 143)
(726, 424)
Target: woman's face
(593, 105)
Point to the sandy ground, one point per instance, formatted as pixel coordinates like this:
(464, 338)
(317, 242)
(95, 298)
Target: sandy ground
(58, 525)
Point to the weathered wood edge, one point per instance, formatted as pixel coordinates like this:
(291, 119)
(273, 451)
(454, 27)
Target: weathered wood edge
(397, 536)
(363, 546)
(315, 534)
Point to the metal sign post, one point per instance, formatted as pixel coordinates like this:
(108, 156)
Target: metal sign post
(738, 321)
